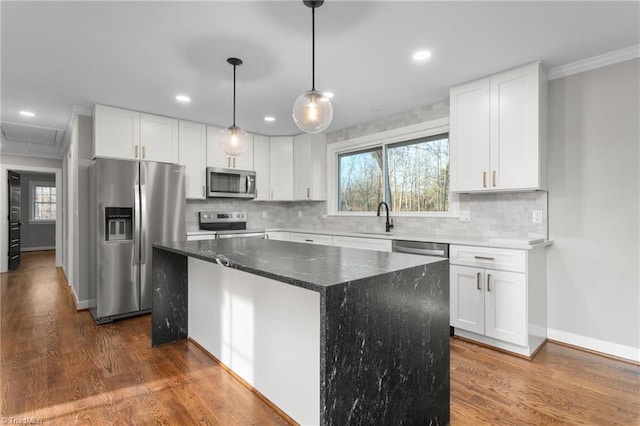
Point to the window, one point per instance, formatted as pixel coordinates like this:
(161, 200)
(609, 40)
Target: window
(408, 168)
(43, 202)
(360, 180)
(418, 175)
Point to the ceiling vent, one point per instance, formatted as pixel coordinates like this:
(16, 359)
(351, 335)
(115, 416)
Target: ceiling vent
(20, 133)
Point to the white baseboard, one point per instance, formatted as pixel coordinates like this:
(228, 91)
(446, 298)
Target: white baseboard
(81, 304)
(37, 248)
(609, 348)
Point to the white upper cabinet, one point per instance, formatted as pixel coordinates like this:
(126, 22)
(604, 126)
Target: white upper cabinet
(116, 133)
(217, 158)
(498, 132)
(310, 167)
(131, 135)
(158, 138)
(281, 168)
(193, 156)
(261, 166)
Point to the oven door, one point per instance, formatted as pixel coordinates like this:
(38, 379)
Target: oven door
(230, 183)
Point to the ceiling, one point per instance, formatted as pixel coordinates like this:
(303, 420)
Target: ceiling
(61, 55)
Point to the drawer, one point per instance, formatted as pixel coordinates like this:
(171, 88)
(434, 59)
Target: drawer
(278, 235)
(321, 239)
(198, 237)
(489, 258)
(362, 243)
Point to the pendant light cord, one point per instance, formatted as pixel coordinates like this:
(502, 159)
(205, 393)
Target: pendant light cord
(234, 96)
(313, 49)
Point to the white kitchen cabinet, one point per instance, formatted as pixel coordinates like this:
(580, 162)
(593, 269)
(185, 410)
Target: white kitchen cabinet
(158, 138)
(310, 167)
(378, 244)
(281, 168)
(261, 166)
(278, 235)
(320, 239)
(498, 132)
(192, 154)
(216, 157)
(498, 296)
(116, 133)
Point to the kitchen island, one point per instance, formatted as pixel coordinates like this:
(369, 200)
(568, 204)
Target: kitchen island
(330, 335)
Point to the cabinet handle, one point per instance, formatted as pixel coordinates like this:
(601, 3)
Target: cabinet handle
(234, 163)
(228, 161)
(488, 282)
(478, 281)
(144, 151)
(308, 192)
(484, 258)
(493, 178)
(307, 240)
(203, 193)
(484, 179)
(135, 152)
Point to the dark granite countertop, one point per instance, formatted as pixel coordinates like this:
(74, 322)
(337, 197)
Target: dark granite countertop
(309, 266)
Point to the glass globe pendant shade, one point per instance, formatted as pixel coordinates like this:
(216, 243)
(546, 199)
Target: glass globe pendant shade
(234, 141)
(312, 112)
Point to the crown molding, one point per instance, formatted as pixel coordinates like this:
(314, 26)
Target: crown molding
(75, 112)
(610, 58)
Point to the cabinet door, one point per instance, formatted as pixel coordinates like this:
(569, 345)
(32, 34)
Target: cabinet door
(281, 168)
(158, 138)
(192, 154)
(116, 133)
(515, 156)
(506, 306)
(469, 136)
(310, 167)
(217, 158)
(261, 166)
(467, 298)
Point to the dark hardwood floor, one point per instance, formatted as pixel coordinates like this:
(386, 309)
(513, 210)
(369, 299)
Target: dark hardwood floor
(57, 366)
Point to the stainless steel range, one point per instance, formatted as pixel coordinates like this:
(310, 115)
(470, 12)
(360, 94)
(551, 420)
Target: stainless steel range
(228, 224)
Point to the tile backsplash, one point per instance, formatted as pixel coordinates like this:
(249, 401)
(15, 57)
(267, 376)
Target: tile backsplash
(503, 215)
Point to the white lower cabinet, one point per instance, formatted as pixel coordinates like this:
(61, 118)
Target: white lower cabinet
(377, 244)
(498, 296)
(321, 239)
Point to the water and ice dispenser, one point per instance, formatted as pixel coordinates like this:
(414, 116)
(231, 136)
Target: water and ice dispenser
(119, 223)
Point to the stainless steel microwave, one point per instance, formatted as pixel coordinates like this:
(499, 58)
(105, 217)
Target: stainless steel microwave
(230, 183)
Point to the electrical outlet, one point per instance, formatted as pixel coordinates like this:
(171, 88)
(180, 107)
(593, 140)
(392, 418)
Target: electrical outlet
(465, 215)
(299, 214)
(264, 214)
(537, 216)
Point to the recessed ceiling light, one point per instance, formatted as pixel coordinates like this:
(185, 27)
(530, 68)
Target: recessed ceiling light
(328, 94)
(183, 99)
(421, 55)
(27, 113)
(269, 119)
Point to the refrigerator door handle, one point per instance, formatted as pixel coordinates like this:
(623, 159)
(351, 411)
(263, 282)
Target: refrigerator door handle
(143, 220)
(136, 220)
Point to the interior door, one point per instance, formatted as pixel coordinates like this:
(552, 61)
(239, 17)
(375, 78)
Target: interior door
(14, 220)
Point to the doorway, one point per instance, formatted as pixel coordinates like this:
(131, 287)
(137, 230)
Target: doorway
(39, 214)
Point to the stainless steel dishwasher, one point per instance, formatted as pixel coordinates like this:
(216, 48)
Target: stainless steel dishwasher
(423, 249)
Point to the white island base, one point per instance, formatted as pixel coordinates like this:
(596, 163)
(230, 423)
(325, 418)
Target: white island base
(267, 333)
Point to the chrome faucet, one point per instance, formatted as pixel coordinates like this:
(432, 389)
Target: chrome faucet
(389, 223)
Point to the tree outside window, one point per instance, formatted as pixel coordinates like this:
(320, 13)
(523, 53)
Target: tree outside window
(410, 176)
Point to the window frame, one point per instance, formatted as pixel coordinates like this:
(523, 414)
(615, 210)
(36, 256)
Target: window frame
(32, 201)
(402, 134)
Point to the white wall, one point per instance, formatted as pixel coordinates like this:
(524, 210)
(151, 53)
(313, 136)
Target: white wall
(594, 199)
(31, 164)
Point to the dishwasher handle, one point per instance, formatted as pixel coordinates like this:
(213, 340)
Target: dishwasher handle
(423, 252)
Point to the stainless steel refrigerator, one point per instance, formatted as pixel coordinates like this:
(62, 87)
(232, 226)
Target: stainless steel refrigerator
(133, 204)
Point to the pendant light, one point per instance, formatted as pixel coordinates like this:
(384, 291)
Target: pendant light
(233, 140)
(312, 111)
